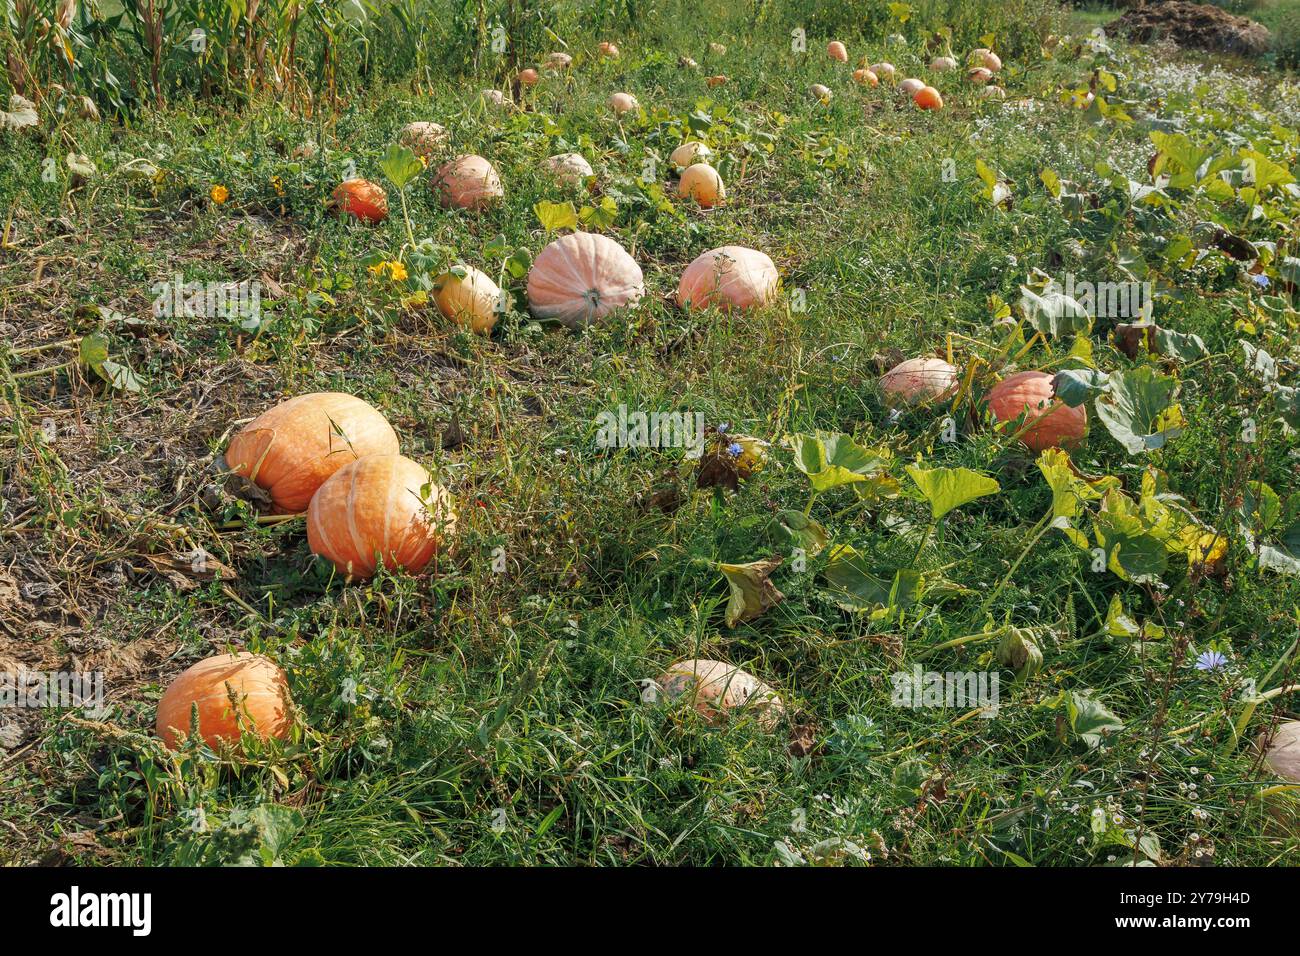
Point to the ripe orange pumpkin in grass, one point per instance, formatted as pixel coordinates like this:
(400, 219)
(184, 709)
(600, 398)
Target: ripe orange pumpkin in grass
(470, 300)
(717, 80)
(621, 103)
(422, 138)
(928, 98)
(376, 509)
(729, 277)
(581, 278)
(1048, 422)
(261, 704)
(865, 77)
(701, 182)
(837, 51)
(718, 690)
(361, 199)
(528, 77)
(608, 50)
(467, 182)
(918, 381)
(290, 449)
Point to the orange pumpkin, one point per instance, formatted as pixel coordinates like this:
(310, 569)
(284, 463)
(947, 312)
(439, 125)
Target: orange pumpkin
(582, 277)
(837, 51)
(729, 277)
(717, 80)
(467, 182)
(361, 199)
(382, 507)
(1048, 422)
(928, 98)
(690, 152)
(702, 183)
(261, 703)
(422, 138)
(571, 168)
(290, 450)
(865, 77)
(470, 300)
(718, 690)
(528, 77)
(621, 103)
(608, 50)
(918, 381)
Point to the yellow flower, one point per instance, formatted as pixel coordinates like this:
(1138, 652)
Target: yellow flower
(396, 270)
(278, 185)
(219, 194)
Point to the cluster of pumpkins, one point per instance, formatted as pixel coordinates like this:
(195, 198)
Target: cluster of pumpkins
(582, 277)
(1047, 421)
(983, 64)
(338, 458)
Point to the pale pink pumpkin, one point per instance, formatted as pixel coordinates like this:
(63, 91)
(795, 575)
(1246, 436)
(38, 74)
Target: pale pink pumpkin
(467, 182)
(580, 278)
(621, 103)
(570, 168)
(918, 381)
(729, 277)
(718, 690)
(422, 138)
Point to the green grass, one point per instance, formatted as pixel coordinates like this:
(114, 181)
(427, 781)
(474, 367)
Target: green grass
(497, 717)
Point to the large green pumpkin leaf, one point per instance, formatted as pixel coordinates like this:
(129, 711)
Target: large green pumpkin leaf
(400, 165)
(1138, 409)
(949, 488)
(1054, 313)
(831, 459)
(856, 586)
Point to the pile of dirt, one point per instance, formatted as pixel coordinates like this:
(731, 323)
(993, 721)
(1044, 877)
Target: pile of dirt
(1194, 26)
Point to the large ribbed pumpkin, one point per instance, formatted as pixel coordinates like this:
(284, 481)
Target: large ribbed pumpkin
(1049, 422)
(471, 300)
(580, 278)
(621, 103)
(570, 168)
(918, 381)
(467, 182)
(701, 182)
(717, 690)
(729, 277)
(692, 151)
(422, 138)
(375, 509)
(361, 199)
(261, 702)
(291, 449)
